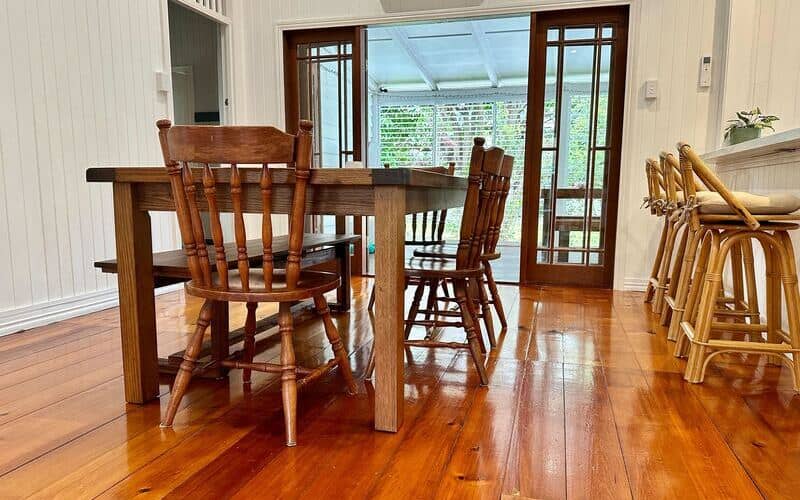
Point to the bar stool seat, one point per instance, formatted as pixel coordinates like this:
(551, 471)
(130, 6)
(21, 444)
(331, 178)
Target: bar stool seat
(711, 202)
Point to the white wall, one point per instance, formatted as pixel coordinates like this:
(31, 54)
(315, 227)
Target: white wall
(761, 62)
(77, 89)
(665, 43)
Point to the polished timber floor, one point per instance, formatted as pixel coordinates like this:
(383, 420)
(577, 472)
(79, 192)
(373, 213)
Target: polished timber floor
(584, 402)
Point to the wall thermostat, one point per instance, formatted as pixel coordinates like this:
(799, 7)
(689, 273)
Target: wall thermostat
(705, 72)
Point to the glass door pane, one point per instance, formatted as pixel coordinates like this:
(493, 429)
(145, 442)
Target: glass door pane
(324, 74)
(580, 59)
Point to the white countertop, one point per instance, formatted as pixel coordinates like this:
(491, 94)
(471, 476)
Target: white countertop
(780, 142)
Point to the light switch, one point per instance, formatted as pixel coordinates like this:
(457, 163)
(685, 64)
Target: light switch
(651, 89)
(163, 82)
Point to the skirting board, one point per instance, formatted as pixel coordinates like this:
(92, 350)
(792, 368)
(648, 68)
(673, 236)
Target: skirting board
(635, 284)
(27, 317)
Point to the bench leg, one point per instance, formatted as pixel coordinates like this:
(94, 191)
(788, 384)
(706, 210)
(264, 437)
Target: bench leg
(343, 292)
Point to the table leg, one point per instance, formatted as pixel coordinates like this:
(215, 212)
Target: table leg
(220, 333)
(136, 296)
(390, 229)
(345, 270)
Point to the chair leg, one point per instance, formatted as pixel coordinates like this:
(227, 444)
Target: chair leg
(412, 313)
(188, 364)
(682, 291)
(486, 311)
(371, 304)
(464, 302)
(690, 303)
(336, 342)
(698, 352)
(432, 305)
(675, 276)
(289, 373)
(249, 339)
(498, 304)
(792, 296)
(650, 292)
(750, 279)
(663, 272)
(737, 277)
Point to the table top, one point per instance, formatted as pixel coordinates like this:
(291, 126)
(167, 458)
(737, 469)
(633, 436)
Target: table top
(401, 176)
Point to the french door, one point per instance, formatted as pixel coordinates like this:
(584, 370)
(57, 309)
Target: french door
(323, 82)
(575, 95)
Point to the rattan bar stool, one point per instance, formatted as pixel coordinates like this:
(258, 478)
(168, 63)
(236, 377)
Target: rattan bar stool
(721, 220)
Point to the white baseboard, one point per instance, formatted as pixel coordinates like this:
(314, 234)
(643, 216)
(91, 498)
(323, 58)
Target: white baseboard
(44, 313)
(635, 284)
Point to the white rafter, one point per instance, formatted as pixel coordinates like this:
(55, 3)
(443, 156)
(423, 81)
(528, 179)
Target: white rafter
(399, 36)
(480, 40)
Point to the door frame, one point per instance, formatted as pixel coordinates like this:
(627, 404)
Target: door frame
(577, 274)
(356, 35)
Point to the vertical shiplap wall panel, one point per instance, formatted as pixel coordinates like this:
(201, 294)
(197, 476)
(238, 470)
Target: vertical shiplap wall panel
(78, 89)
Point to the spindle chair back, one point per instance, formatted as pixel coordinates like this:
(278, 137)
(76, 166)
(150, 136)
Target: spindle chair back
(184, 145)
(421, 232)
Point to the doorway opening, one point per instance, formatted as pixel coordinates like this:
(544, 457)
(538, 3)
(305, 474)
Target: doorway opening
(195, 48)
(434, 86)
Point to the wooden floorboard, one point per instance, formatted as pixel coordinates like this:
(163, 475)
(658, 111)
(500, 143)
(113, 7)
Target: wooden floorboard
(585, 401)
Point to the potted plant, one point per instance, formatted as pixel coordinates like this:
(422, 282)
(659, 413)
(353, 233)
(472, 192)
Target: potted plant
(748, 125)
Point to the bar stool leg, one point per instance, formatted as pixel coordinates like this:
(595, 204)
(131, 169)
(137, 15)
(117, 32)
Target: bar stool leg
(682, 291)
(792, 294)
(650, 292)
(750, 278)
(658, 300)
(677, 265)
(696, 364)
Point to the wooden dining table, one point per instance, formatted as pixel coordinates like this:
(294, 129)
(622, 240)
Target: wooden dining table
(387, 194)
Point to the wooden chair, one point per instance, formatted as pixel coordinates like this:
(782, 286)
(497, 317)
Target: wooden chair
(428, 235)
(182, 145)
(490, 253)
(720, 221)
(483, 188)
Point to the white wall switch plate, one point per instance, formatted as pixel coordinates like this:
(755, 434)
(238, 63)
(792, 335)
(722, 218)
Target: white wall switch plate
(651, 89)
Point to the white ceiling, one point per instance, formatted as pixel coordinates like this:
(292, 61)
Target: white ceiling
(465, 53)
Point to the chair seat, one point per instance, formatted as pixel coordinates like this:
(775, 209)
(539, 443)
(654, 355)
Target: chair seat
(711, 202)
(438, 267)
(310, 284)
(447, 251)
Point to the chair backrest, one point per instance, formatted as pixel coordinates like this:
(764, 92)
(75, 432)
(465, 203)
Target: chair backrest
(499, 209)
(692, 165)
(432, 234)
(673, 162)
(671, 182)
(482, 187)
(654, 195)
(205, 145)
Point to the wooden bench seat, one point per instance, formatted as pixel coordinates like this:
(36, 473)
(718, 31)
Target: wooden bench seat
(170, 267)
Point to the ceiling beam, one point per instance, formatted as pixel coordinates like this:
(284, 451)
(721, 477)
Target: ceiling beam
(399, 36)
(480, 40)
